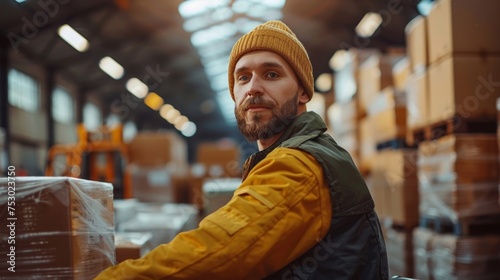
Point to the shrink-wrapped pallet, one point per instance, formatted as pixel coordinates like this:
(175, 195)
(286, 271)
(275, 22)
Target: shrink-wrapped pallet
(59, 228)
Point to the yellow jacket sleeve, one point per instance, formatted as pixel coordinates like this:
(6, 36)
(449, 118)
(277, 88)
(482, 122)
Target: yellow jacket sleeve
(280, 211)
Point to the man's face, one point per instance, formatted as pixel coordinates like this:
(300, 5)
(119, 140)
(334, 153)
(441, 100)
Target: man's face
(267, 94)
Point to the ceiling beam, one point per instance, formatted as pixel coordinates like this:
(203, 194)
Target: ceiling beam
(56, 21)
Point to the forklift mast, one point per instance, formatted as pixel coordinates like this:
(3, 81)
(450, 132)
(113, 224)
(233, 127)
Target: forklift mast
(100, 155)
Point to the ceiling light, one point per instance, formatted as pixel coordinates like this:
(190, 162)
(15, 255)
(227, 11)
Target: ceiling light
(216, 50)
(324, 82)
(180, 121)
(137, 88)
(425, 6)
(217, 32)
(111, 67)
(20, 1)
(171, 115)
(194, 24)
(153, 101)
(195, 7)
(245, 25)
(73, 38)
(241, 6)
(339, 60)
(257, 11)
(272, 14)
(213, 62)
(221, 13)
(188, 129)
(278, 4)
(368, 24)
(164, 109)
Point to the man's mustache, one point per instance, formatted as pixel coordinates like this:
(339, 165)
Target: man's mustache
(257, 101)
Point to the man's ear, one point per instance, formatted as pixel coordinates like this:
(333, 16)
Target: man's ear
(303, 97)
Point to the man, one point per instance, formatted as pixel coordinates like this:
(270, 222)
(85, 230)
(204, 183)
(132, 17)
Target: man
(302, 211)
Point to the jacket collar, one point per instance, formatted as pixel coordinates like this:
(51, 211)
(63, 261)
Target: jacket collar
(306, 124)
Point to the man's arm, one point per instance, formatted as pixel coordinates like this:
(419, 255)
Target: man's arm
(280, 211)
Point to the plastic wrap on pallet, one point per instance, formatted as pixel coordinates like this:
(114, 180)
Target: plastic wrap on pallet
(59, 228)
(468, 258)
(422, 238)
(458, 176)
(395, 186)
(399, 252)
(454, 201)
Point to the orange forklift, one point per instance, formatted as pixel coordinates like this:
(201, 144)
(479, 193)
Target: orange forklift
(99, 155)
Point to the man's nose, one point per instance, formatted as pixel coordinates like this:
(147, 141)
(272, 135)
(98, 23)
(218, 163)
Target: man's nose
(255, 86)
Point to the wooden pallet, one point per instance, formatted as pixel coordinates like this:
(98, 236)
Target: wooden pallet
(453, 125)
(463, 226)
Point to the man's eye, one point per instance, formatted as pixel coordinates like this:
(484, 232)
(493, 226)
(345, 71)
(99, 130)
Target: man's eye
(272, 75)
(242, 78)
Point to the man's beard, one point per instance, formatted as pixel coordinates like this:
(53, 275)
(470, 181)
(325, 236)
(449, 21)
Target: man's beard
(281, 118)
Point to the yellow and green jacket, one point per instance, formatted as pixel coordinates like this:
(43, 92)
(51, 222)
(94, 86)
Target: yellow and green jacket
(302, 211)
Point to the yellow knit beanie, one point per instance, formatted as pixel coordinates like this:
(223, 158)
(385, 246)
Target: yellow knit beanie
(274, 36)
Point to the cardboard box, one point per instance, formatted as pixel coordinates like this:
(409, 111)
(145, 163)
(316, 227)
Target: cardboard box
(388, 112)
(417, 43)
(191, 191)
(400, 73)
(132, 245)
(150, 149)
(375, 74)
(63, 228)
(464, 86)
(474, 257)
(221, 159)
(379, 189)
(417, 96)
(463, 27)
(458, 176)
(369, 77)
(346, 74)
(395, 178)
(399, 245)
(156, 184)
(367, 144)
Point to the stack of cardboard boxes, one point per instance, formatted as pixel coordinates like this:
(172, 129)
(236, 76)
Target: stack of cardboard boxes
(427, 137)
(455, 60)
(158, 166)
(218, 174)
(464, 60)
(61, 228)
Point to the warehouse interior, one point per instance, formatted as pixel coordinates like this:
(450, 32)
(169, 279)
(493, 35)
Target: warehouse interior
(133, 94)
